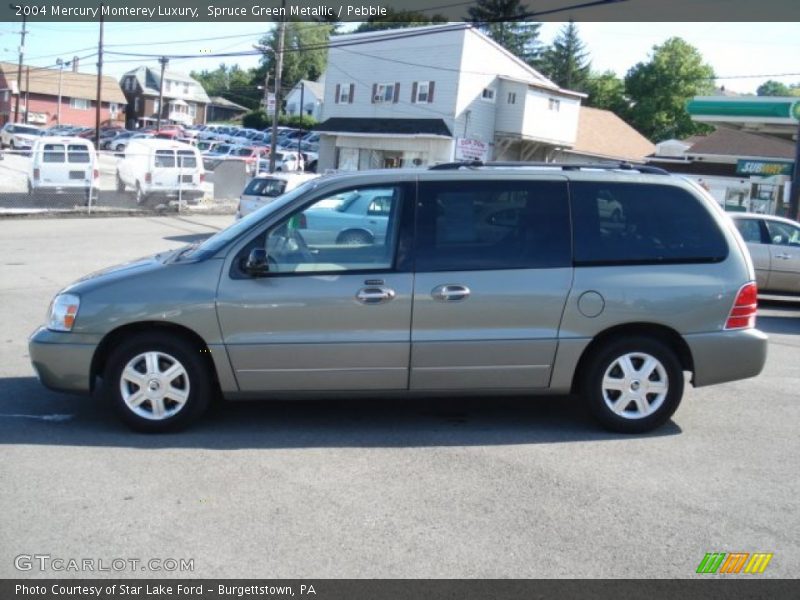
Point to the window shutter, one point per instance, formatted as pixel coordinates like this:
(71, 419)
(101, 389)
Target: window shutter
(374, 91)
(396, 93)
(430, 91)
(352, 91)
(338, 90)
(414, 92)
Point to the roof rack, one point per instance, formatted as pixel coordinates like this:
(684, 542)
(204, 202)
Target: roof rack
(620, 166)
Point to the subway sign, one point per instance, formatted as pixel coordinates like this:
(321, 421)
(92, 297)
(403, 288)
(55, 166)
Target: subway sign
(766, 168)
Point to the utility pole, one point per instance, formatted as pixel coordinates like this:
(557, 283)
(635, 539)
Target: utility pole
(302, 113)
(99, 82)
(27, 94)
(278, 70)
(164, 62)
(61, 64)
(19, 68)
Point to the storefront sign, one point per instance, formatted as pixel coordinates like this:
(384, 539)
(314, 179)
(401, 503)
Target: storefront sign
(765, 168)
(38, 118)
(471, 150)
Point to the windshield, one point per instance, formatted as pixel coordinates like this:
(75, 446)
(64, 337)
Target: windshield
(265, 186)
(27, 130)
(219, 240)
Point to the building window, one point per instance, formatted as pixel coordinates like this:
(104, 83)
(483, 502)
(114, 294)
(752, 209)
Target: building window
(113, 109)
(186, 88)
(344, 93)
(136, 104)
(384, 92)
(156, 106)
(422, 92)
(488, 95)
(80, 103)
(512, 97)
(553, 104)
(193, 110)
(5, 96)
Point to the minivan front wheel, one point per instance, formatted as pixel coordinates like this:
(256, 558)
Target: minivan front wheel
(633, 385)
(157, 382)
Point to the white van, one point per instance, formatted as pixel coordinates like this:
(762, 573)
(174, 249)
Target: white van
(63, 164)
(161, 168)
(265, 188)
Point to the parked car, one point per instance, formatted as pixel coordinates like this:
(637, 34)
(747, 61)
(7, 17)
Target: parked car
(265, 188)
(565, 301)
(63, 165)
(206, 146)
(161, 169)
(19, 137)
(774, 245)
(121, 142)
(285, 160)
(250, 155)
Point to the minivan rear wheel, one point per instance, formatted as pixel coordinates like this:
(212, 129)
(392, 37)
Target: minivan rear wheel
(157, 382)
(633, 385)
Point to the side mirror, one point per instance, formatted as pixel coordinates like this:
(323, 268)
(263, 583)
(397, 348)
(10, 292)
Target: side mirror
(257, 264)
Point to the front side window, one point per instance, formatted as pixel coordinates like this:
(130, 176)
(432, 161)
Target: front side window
(783, 234)
(750, 230)
(630, 223)
(353, 230)
(492, 225)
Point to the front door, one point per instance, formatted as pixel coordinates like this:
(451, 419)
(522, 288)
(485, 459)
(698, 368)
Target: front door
(333, 312)
(784, 249)
(493, 271)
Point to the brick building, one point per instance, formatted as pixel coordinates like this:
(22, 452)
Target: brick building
(40, 92)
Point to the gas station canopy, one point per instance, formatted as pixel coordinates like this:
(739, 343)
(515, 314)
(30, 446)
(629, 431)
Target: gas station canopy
(768, 115)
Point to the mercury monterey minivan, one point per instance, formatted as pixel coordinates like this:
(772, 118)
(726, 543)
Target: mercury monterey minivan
(461, 279)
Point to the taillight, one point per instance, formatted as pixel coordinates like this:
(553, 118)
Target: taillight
(202, 177)
(36, 173)
(96, 173)
(148, 178)
(743, 313)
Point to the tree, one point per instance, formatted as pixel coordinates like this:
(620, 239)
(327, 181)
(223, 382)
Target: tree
(396, 19)
(565, 60)
(503, 21)
(230, 82)
(305, 52)
(773, 88)
(607, 91)
(659, 89)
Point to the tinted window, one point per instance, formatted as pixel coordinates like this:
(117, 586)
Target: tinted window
(265, 187)
(165, 158)
(629, 223)
(187, 159)
(750, 230)
(492, 225)
(77, 153)
(53, 153)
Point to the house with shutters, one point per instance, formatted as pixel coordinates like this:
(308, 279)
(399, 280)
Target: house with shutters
(426, 95)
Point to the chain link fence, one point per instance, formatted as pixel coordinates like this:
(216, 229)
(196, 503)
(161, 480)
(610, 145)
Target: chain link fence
(69, 178)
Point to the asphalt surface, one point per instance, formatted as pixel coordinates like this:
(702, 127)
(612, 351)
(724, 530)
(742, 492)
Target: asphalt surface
(368, 488)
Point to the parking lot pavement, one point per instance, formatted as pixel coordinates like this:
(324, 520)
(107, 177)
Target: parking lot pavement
(485, 487)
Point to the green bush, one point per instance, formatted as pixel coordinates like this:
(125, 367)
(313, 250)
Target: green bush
(258, 119)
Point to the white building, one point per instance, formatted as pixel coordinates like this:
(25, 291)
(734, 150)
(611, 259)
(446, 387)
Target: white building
(424, 95)
(308, 93)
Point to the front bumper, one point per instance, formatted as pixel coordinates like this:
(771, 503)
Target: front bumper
(62, 361)
(727, 355)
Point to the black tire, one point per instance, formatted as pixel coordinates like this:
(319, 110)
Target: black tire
(30, 188)
(354, 238)
(631, 419)
(141, 198)
(197, 380)
(120, 184)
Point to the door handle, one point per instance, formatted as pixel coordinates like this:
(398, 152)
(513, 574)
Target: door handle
(450, 293)
(783, 256)
(375, 295)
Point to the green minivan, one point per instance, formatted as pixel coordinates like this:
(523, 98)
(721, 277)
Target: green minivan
(460, 279)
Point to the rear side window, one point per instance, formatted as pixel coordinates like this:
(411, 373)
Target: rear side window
(164, 158)
(53, 153)
(77, 153)
(630, 223)
(187, 159)
(492, 225)
(271, 188)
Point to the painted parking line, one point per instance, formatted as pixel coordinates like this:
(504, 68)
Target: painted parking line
(56, 418)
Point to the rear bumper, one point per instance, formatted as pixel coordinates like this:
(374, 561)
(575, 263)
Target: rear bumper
(727, 355)
(59, 362)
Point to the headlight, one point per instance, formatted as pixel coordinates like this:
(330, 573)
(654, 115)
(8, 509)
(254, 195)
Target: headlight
(63, 311)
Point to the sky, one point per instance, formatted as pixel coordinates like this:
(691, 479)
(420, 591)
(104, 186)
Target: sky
(747, 54)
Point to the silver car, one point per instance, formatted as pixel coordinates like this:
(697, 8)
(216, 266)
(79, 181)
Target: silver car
(774, 244)
(479, 280)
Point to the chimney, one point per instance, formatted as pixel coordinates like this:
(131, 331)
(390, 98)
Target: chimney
(75, 63)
